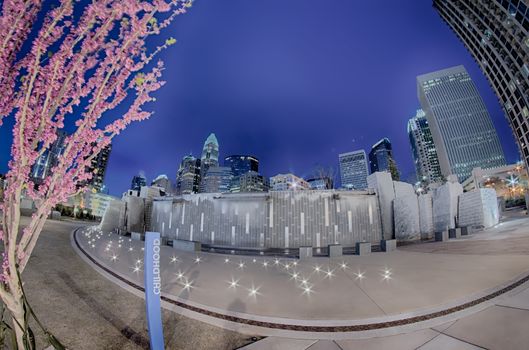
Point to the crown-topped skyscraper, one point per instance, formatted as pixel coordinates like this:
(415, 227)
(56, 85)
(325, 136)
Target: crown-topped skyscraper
(210, 156)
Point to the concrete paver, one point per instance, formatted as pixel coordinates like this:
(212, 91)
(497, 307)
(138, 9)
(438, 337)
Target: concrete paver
(443, 342)
(88, 312)
(497, 327)
(408, 341)
(274, 343)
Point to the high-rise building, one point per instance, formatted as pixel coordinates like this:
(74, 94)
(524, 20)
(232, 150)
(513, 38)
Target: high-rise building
(461, 126)
(353, 170)
(163, 182)
(98, 168)
(288, 182)
(217, 179)
(252, 181)
(188, 176)
(423, 149)
(496, 34)
(240, 164)
(48, 159)
(210, 156)
(381, 158)
(137, 182)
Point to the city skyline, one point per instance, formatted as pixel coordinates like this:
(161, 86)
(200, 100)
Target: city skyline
(343, 88)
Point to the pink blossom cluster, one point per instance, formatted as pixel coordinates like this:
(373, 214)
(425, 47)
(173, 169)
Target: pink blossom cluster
(78, 70)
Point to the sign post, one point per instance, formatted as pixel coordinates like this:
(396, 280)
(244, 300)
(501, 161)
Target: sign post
(153, 287)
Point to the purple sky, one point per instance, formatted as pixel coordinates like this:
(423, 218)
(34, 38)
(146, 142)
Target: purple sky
(293, 82)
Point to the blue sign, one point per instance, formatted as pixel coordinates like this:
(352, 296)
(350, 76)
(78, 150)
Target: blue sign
(153, 287)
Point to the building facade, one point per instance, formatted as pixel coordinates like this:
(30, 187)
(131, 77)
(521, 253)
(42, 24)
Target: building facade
(188, 176)
(98, 168)
(137, 182)
(461, 127)
(163, 182)
(48, 159)
(321, 183)
(210, 156)
(354, 170)
(288, 182)
(381, 158)
(240, 165)
(423, 149)
(497, 34)
(218, 179)
(252, 181)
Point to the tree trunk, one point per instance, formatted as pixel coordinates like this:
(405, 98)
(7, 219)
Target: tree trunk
(16, 307)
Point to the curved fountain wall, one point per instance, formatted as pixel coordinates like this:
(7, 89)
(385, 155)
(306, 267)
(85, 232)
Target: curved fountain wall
(270, 220)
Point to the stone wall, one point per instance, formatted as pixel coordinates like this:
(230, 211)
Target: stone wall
(406, 212)
(478, 208)
(426, 216)
(270, 220)
(112, 217)
(445, 206)
(382, 183)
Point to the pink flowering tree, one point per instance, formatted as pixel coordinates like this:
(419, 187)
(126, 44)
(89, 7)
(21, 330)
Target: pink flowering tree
(74, 67)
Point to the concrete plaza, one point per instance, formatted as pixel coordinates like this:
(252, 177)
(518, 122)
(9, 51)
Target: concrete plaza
(415, 280)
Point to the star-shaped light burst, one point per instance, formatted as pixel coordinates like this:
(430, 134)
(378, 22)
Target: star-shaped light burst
(287, 266)
(265, 263)
(295, 263)
(198, 260)
(307, 290)
(114, 257)
(227, 260)
(179, 275)
(131, 249)
(343, 265)
(188, 285)
(233, 283)
(317, 268)
(386, 274)
(295, 276)
(359, 275)
(136, 269)
(329, 273)
(254, 260)
(240, 265)
(253, 291)
(174, 259)
(304, 282)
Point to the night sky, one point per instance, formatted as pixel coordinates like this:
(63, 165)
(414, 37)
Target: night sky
(293, 82)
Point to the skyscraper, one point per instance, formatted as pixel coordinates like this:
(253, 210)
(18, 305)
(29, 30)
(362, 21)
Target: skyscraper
(381, 158)
(137, 182)
(461, 126)
(217, 179)
(423, 149)
(210, 156)
(353, 170)
(188, 176)
(240, 165)
(98, 168)
(48, 159)
(495, 33)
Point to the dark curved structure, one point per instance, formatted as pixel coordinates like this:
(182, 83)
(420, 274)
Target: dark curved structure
(496, 32)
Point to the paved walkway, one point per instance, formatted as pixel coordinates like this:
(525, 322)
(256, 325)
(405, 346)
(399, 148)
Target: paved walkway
(87, 311)
(351, 290)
